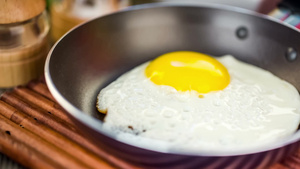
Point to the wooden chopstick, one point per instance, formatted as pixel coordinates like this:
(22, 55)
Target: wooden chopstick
(278, 166)
(41, 88)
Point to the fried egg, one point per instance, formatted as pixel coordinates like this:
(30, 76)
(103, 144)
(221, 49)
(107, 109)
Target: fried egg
(190, 101)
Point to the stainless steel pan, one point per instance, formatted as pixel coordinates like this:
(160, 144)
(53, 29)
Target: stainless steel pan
(95, 53)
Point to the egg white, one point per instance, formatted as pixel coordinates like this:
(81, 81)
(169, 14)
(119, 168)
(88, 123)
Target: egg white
(255, 109)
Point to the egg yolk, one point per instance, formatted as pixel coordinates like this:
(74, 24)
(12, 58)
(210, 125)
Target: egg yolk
(185, 70)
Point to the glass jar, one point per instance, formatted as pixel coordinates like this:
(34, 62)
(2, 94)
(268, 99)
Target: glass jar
(65, 14)
(23, 49)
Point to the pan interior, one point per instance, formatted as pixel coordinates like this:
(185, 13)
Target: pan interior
(91, 56)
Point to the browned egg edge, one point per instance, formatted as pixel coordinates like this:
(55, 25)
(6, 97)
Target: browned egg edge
(99, 110)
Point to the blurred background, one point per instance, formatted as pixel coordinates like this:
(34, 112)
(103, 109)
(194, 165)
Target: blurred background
(59, 16)
(65, 14)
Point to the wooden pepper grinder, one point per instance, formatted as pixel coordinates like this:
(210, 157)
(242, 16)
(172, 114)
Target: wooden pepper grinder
(24, 44)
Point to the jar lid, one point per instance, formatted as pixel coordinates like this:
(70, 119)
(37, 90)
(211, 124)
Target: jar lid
(14, 11)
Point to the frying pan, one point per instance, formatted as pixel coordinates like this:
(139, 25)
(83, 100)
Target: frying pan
(94, 54)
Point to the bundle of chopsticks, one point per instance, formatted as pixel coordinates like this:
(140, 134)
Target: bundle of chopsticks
(36, 132)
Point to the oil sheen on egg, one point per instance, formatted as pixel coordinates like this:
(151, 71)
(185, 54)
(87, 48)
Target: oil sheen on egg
(189, 101)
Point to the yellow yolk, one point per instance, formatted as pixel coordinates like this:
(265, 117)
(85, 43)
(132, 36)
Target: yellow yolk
(185, 70)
